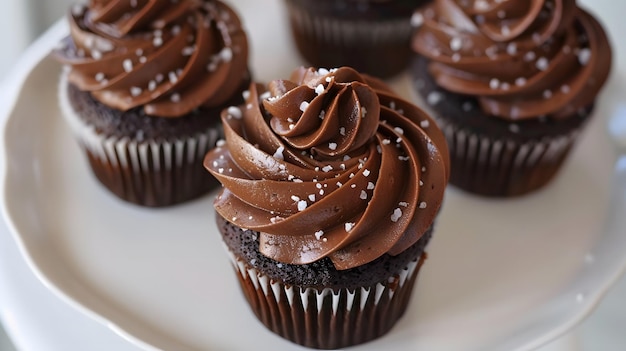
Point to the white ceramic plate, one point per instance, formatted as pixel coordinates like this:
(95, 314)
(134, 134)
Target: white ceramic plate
(502, 274)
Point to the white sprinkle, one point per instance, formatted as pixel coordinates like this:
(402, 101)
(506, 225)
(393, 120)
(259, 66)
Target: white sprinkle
(188, 51)
(363, 112)
(494, 83)
(175, 30)
(417, 19)
(172, 77)
(505, 30)
(348, 226)
(392, 105)
(353, 186)
(529, 56)
(128, 65)
(245, 94)
(159, 78)
(565, 88)
(584, 55)
(342, 130)
(318, 234)
(321, 192)
(143, 59)
(322, 71)
(327, 168)
(220, 143)
(302, 204)
(386, 141)
(403, 203)
(235, 112)
(366, 172)
(322, 114)
(421, 183)
(547, 94)
(152, 85)
(395, 216)
(399, 130)
(434, 97)
(226, 54)
(99, 77)
(521, 81)
(422, 205)
(332, 146)
(157, 41)
(312, 197)
(328, 79)
(318, 185)
(175, 97)
(542, 64)
(425, 123)
(511, 49)
(370, 186)
(135, 91)
(303, 106)
(514, 128)
(96, 54)
(220, 170)
(363, 195)
(279, 153)
(319, 89)
(456, 44)
(339, 184)
(423, 169)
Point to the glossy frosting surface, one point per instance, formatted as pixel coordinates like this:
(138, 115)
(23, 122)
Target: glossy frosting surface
(170, 57)
(329, 164)
(520, 58)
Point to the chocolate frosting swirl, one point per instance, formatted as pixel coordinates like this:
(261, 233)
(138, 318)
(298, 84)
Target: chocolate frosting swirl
(520, 58)
(170, 57)
(330, 164)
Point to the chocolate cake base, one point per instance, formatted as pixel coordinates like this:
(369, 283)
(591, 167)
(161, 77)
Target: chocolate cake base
(317, 306)
(491, 156)
(146, 160)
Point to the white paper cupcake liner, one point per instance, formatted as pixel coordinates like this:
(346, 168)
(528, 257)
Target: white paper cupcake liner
(149, 173)
(327, 318)
(497, 167)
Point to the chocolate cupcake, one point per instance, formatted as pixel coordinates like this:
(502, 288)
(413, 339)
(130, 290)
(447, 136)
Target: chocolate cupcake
(373, 36)
(143, 89)
(331, 187)
(512, 84)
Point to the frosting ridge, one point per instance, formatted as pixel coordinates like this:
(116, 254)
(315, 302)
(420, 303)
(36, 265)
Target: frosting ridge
(329, 164)
(521, 59)
(170, 57)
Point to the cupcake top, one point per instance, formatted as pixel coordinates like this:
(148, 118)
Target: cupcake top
(329, 164)
(170, 57)
(520, 58)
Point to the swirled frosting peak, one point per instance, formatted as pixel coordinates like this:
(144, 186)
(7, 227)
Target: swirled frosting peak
(168, 56)
(520, 58)
(329, 164)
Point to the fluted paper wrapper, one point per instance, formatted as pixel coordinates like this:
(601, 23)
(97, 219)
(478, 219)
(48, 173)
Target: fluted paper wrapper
(152, 173)
(327, 318)
(498, 167)
(378, 47)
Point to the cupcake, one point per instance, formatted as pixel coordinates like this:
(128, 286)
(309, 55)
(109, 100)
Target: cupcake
(373, 36)
(143, 87)
(331, 187)
(512, 84)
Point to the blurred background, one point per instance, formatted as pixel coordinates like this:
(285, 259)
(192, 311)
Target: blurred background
(21, 21)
